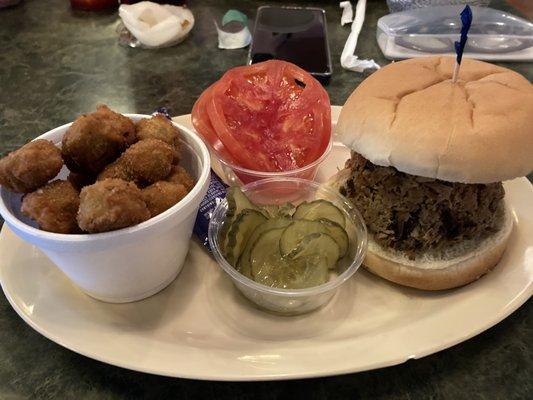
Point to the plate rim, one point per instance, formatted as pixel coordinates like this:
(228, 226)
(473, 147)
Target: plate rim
(519, 301)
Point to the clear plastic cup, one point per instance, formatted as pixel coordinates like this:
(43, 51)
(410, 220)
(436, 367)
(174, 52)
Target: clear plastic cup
(236, 175)
(403, 5)
(294, 190)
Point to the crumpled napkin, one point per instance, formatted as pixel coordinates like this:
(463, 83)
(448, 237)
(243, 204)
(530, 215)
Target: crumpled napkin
(347, 12)
(230, 40)
(156, 25)
(349, 60)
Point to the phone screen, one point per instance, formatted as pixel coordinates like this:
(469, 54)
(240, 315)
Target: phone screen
(297, 35)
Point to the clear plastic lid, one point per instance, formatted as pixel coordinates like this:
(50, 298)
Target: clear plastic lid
(494, 34)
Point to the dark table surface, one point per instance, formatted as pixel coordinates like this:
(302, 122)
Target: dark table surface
(56, 64)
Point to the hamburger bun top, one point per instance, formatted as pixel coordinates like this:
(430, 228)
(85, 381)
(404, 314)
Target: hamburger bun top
(409, 115)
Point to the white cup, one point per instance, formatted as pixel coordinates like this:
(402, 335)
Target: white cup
(127, 264)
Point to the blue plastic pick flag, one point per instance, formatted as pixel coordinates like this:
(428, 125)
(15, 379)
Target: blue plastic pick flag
(466, 20)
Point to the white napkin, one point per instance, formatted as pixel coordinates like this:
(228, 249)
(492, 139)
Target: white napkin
(348, 59)
(156, 25)
(347, 12)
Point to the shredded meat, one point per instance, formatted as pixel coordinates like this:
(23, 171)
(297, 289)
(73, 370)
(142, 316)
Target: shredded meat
(413, 214)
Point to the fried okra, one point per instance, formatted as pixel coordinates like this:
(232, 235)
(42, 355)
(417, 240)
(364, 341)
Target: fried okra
(162, 195)
(160, 127)
(180, 176)
(117, 121)
(118, 169)
(53, 207)
(95, 140)
(30, 167)
(111, 204)
(149, 160)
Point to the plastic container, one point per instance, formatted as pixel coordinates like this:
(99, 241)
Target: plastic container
(293, 301)
(404, 5)
(128, 264)
(236, 175)
(494, 34)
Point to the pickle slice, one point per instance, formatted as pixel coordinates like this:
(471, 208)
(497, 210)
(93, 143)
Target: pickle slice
(300, 228)
(239, 233)
(243, 265)
(266, 261)
(237, 202)
(279, 211)
(286, 210)
(318, 246)
(296, 231)
(313, 272)
(272, 210)
(338, 233)
(269, 268)
(319, 209)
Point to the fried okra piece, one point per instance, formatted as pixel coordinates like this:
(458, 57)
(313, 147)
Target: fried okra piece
(160, 127)
(162, 195)
(95, 140)
(53, 207)
(111, 204)
(30, 167)
(180, 176)
(118, 169)
(119, 122)
(149, 160)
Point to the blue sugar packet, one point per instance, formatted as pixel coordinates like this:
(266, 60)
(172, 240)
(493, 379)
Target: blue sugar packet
(163, 110)
(215, 193)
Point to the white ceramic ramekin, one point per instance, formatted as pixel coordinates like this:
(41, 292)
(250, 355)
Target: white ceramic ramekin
(128, 264)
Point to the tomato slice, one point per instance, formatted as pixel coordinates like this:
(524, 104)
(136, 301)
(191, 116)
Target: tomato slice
(240, 152)
(202, 124)
(271, 116)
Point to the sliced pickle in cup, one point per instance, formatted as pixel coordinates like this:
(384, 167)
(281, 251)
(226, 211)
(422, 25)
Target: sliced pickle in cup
(271, 269)
(282, 245)
(239, 233)
(295, 232)
(318, 209)
(243, 265)
(237, 202)
(338, 233)
(317, 245)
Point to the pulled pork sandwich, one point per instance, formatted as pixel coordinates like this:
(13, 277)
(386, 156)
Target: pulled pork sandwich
(428, 158)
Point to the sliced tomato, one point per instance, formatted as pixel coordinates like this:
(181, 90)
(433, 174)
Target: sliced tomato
(202, 124)
(271, 116)
(224, 128)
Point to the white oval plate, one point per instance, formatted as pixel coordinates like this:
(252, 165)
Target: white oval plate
(201, 327)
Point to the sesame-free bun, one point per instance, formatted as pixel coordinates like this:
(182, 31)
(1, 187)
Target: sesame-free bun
(409, 115)
(452, 267)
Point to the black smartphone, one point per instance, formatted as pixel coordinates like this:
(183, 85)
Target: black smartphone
(293, 34)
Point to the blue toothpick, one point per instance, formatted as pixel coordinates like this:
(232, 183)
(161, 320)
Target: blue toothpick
(466, 20)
